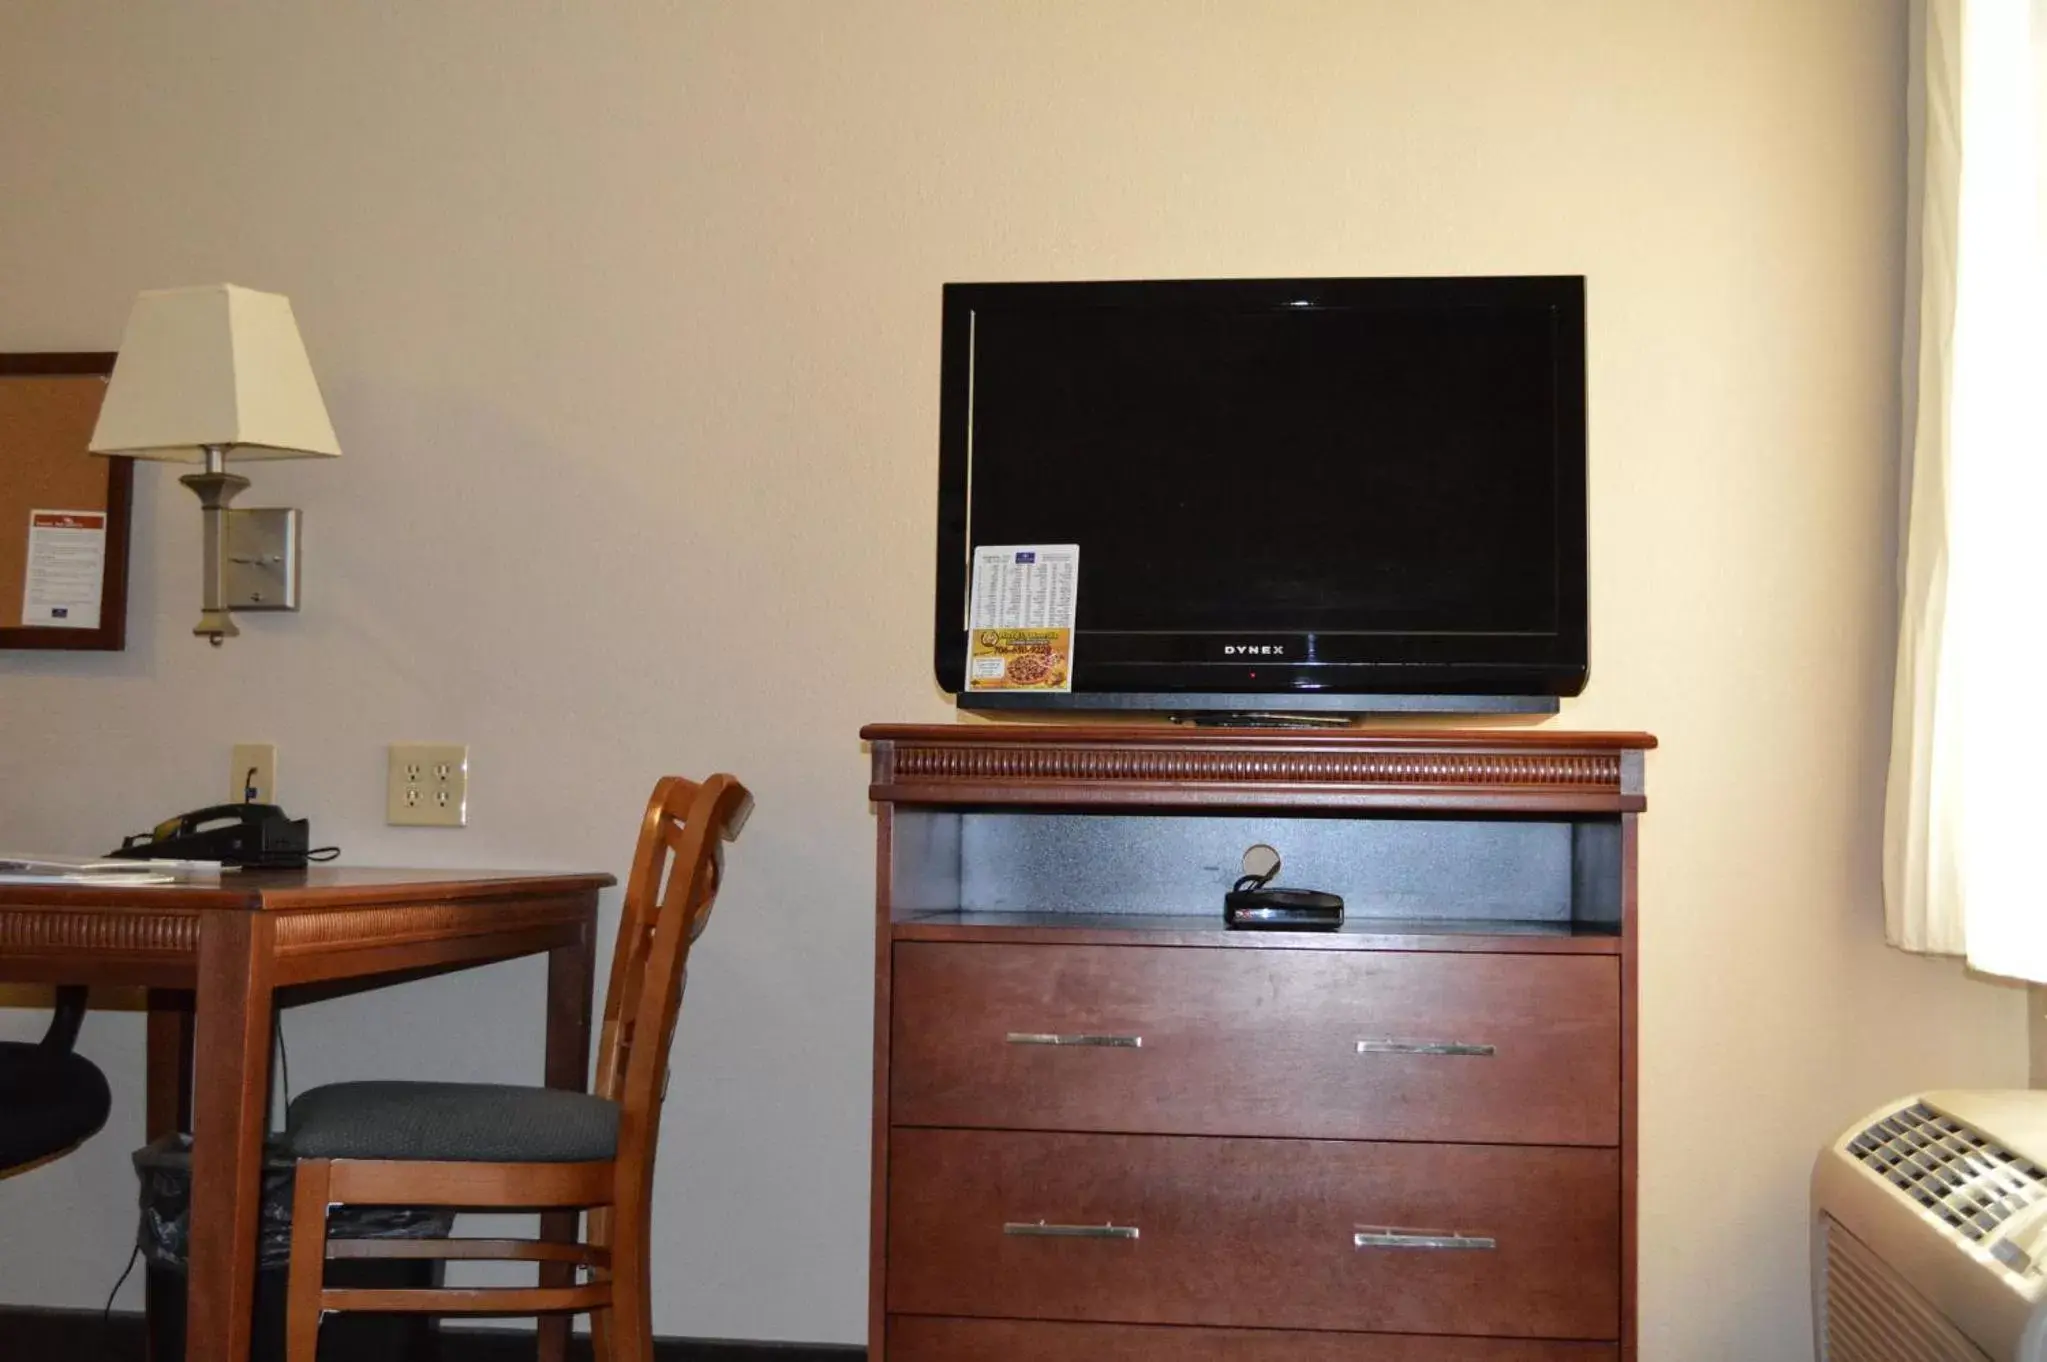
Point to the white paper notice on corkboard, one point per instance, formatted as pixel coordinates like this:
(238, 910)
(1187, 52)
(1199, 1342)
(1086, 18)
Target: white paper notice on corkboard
(67, 560)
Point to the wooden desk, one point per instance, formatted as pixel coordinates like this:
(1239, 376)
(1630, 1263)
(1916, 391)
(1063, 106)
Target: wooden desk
(217, 954)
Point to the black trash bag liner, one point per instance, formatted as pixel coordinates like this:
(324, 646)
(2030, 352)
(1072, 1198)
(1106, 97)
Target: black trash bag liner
(165, 1171)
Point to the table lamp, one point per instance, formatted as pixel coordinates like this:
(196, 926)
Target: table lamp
(209, 374)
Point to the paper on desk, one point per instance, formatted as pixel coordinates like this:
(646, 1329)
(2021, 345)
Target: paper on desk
(16, 868)
(126, 881)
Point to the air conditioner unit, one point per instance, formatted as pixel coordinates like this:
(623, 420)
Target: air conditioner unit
(1930, 1232)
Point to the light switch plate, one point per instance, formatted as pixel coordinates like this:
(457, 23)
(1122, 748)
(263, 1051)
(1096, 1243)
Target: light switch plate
(252, 773)
(263, 558)
(427, 785)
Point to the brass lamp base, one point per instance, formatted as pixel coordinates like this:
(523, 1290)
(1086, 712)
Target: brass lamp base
(215, 487)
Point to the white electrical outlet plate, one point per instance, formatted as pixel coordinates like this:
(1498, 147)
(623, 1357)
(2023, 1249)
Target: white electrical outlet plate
(252, 773)
(427, 785)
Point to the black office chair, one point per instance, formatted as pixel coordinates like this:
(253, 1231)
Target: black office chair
(51, 1099)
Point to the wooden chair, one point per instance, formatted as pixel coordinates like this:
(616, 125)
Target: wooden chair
(483, 1146)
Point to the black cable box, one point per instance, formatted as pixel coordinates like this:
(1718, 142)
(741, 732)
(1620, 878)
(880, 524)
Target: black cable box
(1282, 910)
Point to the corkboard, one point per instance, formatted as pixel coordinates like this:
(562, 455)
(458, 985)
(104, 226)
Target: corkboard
(48, 404)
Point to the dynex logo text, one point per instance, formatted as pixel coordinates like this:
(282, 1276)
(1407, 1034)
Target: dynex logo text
(1254, 650)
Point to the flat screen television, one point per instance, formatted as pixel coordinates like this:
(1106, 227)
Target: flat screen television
(1290, 495)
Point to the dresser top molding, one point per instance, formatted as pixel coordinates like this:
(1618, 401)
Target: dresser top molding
(1163, 767)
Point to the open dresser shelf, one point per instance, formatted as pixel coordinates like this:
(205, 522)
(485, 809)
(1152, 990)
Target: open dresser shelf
(1512, 935)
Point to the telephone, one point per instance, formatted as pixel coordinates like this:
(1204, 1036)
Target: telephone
(257, 835)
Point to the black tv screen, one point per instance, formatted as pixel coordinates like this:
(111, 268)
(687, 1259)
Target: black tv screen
(1288, 489)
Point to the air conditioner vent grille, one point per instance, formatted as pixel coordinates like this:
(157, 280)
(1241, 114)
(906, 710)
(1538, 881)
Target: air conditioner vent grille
(1967, 1181)
(1871, 1314)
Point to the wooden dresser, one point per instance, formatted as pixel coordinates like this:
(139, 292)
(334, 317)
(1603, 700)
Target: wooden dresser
(1108, 1129)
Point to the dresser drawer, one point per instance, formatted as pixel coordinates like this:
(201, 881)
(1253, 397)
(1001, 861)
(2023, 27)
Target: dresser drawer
(1399, 1238)
(917, 1338)
(1356, 1045)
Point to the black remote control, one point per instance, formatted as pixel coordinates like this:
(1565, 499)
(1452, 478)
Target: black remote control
(1282, 910)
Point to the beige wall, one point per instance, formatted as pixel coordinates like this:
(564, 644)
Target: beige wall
(2036, 1023)
(628, 318)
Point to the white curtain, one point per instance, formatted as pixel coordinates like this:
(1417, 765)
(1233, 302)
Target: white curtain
(1965, 856)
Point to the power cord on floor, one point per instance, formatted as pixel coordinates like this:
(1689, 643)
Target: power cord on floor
(283, 1057)
(107, 1314)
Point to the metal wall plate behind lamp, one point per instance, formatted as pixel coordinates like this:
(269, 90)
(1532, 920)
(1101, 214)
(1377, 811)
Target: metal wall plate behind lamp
(206, 375)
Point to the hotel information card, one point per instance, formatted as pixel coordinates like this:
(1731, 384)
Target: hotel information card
(67, 554)
(1020, 617)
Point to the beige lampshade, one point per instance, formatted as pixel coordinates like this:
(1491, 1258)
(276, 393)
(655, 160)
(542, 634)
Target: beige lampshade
(214, 365)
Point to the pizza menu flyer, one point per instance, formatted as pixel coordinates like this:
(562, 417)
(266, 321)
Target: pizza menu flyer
(1020, 617)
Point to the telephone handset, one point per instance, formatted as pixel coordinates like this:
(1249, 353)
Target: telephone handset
(257, 835)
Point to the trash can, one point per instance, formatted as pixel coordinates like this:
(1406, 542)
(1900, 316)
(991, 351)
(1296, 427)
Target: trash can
(165, 1172)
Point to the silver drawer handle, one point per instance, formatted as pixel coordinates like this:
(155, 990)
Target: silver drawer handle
(1103, 1042)
(1038, 1229)
(1422, 1047)
(1379, 1236)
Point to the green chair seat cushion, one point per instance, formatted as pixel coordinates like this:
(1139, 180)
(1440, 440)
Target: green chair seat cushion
(454, 1122)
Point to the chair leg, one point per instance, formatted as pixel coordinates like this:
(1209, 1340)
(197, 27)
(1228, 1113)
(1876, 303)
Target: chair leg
(553, 1332)
(602, 1335)
(308, 1261)
(632, 1286)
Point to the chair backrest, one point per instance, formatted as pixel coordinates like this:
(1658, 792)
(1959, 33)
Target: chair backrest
(677, 869)
(67, 1019)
